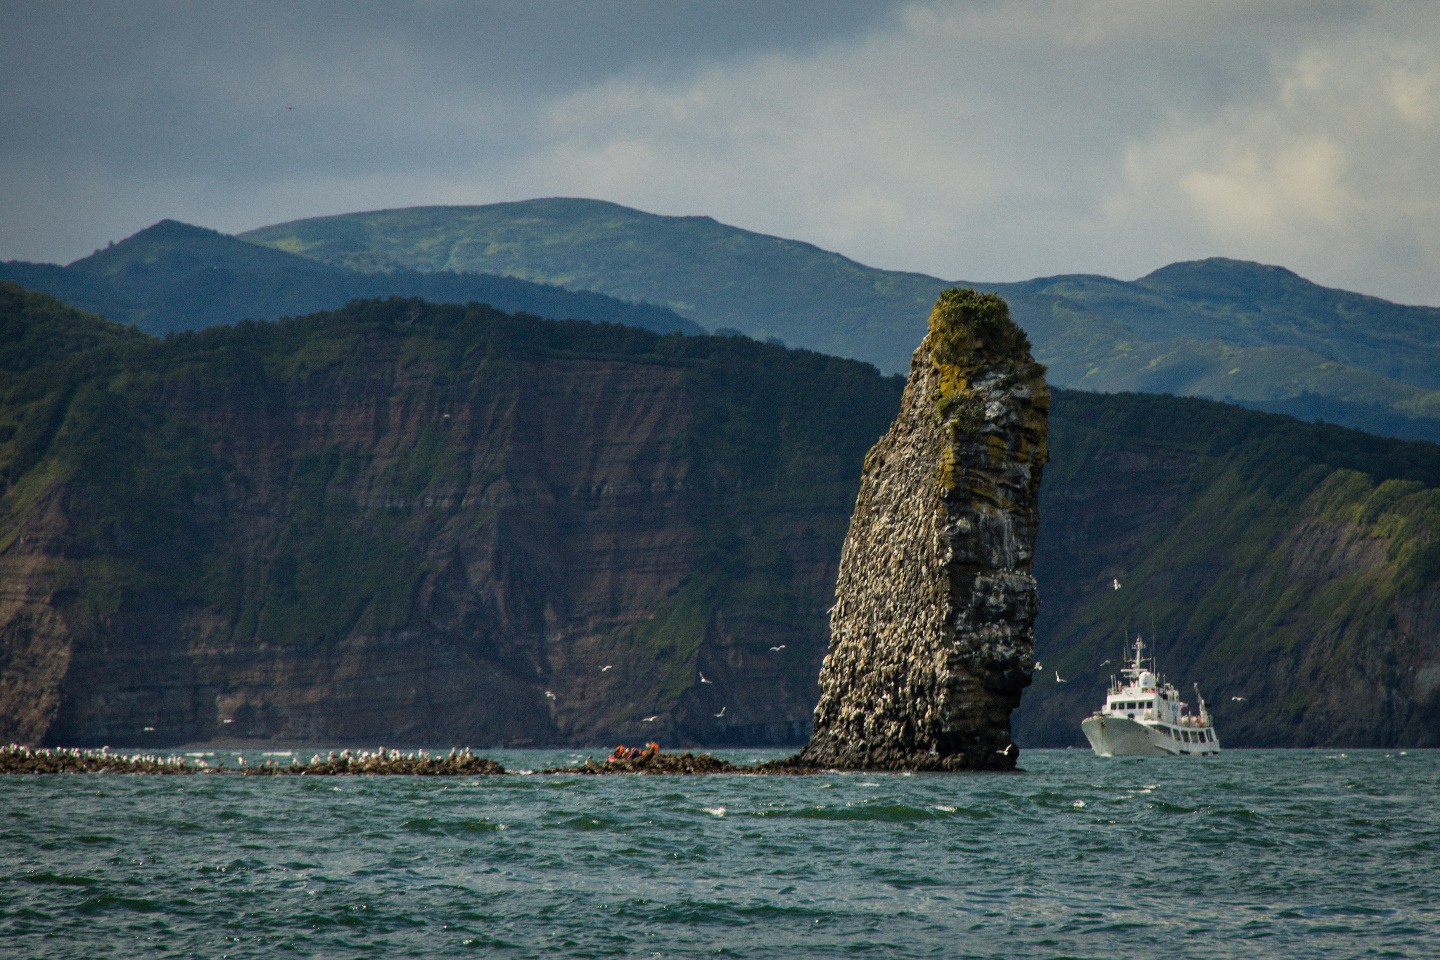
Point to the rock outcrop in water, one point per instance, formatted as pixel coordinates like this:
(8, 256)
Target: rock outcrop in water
(931, 635)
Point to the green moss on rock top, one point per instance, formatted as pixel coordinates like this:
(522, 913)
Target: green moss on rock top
(968, 329)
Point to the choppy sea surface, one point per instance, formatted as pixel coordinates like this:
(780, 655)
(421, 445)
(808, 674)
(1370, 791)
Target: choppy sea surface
(1249, 854)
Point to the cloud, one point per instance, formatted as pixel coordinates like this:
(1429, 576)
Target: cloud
(982, 140)
(1001, 141)
(119, 114)
(1329, 168)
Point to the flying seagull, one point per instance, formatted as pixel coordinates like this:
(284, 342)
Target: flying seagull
(549, 695)
(606, 667)
(1006, 751)
(721, 713)
(649, 719)
(1039, 665)
(781, 647)
(702, 677)
(1059, 679)
(1238, 699)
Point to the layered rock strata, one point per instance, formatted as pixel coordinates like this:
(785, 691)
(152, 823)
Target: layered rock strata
(932, 632)
(415, 524)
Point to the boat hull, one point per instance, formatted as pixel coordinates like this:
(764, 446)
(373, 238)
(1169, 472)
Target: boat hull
(1122, 737)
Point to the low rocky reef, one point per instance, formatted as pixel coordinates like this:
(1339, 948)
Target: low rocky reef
(17, 759)
(654, 762)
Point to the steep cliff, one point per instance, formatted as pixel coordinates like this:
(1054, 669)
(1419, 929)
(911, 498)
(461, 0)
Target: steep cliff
(932, 630)
(413, 523)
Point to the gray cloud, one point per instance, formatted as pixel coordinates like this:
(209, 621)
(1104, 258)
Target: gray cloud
(988, 140)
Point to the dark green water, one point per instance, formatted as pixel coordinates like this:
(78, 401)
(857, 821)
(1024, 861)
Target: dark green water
(1251, 854)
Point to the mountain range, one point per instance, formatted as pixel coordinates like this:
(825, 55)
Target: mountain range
(1256, 335)
(1225, 329)
(172, 276)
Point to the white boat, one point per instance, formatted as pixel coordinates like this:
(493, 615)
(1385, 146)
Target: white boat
(1144, 716)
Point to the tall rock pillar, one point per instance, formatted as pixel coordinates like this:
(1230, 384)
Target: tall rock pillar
(932, 632)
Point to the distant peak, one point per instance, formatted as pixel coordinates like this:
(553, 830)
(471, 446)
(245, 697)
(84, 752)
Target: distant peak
(1216, 267)
(174, 228)
(1221, 279)
(175, 249)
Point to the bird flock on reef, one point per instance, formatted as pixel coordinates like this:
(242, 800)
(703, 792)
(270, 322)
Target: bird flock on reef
(20, 759)
(17, 758)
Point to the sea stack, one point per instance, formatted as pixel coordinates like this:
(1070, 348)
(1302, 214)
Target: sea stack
(932, 632)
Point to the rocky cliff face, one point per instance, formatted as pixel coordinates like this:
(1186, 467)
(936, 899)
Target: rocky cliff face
(414, 529)
(932, 630)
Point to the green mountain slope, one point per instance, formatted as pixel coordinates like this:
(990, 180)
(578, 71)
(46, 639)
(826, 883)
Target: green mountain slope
(715, 274)
(1259, 335)
(1287, 567)
(1252, 304)
(403, 521)
(173, 276)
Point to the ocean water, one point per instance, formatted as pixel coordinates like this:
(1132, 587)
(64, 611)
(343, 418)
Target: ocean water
(1251, 854)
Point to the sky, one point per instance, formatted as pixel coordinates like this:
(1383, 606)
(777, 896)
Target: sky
(981, 140)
